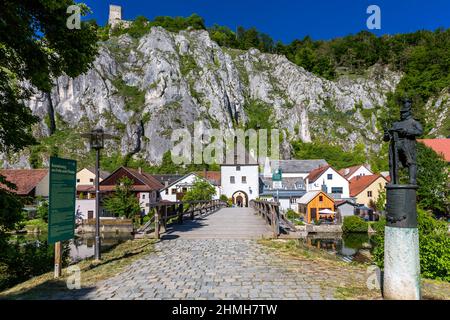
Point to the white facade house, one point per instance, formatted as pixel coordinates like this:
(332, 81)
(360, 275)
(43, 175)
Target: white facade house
(240, 182)
(177, 189)
(328, 180)
(355, 171)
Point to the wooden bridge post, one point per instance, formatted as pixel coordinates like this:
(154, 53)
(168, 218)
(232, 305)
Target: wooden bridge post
(164, 220)
(274, 222)
(192, 208)
(157, 223)
(180, 213)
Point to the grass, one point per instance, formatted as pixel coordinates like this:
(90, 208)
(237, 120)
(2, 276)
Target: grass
(113, 262)
(39, 224)
(348, 288)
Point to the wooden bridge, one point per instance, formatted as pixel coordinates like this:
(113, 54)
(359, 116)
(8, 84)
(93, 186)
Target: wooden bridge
(213, 220)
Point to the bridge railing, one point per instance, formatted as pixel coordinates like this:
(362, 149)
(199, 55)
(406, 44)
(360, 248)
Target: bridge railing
(270, 211)
(166, 211)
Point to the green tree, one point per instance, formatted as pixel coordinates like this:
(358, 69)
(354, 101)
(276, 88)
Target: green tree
(42, 211)
(123, 202)
(433, 181)
(201, 190)
(434, 246)
(35, 47)
(380, 203)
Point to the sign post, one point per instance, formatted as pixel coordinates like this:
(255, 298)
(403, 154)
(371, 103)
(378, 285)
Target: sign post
(61, 212)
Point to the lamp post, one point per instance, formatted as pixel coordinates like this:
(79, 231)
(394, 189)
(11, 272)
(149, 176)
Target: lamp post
(97, 142)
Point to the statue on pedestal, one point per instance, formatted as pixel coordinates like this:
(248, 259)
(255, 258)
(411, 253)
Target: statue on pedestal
(401, 279)
(403, 144)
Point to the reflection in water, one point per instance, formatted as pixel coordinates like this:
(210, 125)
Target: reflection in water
(350, 247)
(80, 248)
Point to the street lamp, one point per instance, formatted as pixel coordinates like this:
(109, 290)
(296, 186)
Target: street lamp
(97, 142)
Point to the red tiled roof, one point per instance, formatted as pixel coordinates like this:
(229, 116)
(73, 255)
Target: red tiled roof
(440, 146)
(212, 176)
(146, 178)
(316, 173)
(360, 183)
(25, 179)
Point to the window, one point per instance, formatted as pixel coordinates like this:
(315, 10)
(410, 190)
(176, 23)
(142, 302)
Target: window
(232, 179)
(167, 191)
(174, 191)
(337, 190)
(369, 194)
(330, 176)
(78, 180)
(91, 180)
(143, 196)
(244, 179)
(238, 168)
(320, 198)
(184, 189)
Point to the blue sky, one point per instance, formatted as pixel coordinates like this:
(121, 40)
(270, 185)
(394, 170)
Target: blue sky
(287, 20)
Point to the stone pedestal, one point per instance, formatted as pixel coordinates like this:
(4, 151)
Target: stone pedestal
(401, 279)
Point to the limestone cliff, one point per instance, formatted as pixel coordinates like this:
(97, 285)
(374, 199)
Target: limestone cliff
(143, 89)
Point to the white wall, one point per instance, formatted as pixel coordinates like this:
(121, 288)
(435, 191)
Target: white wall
(362, 171)
(42, 188)
(190, 179)
(250, 172)
(336, 181)
(84, 206)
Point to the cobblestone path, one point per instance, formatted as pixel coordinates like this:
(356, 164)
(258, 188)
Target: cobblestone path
(214, 269)
(217, 257)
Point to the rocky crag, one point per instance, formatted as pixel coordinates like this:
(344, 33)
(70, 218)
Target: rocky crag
(143, 89)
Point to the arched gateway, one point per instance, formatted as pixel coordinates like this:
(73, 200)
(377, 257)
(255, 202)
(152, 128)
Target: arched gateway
(240, 199)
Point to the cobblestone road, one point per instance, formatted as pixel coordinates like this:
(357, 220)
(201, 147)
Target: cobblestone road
(214, 269)
(218, 257)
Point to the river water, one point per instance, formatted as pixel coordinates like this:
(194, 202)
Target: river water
(80, 248)
(349, 247)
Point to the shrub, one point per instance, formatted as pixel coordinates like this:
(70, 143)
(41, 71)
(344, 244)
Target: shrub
(354, 224)
(434, 247)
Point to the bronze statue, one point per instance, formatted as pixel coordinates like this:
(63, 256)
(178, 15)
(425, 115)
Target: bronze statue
(402, 149)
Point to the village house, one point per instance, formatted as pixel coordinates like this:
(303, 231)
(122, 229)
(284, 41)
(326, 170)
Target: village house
(145, 186)
(30, 183)
(178, 188)
(359, 170)
(86, 179)
(284, 180)
(344, 208)
(316, 205)
(366, 189)
(167, 179)
(240, 179)
(328, 180)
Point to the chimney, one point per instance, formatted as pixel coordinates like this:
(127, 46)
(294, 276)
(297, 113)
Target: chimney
(166, 183)
(140, 170)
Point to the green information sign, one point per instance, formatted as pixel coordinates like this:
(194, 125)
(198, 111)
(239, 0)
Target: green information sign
(61, 214)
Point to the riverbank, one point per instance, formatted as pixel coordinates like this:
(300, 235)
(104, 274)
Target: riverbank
(91, 272)
(349, 275)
